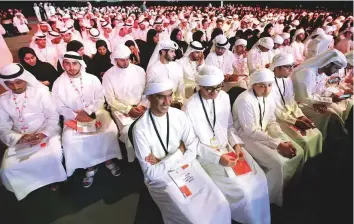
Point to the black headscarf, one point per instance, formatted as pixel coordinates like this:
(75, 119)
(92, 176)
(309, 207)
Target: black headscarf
(74, 45)
(147, 49)
(43, 71)
(101, 63)
(265, 32)
(150, 37)
(182, 44)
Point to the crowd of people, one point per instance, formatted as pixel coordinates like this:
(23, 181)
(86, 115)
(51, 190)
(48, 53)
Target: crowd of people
(221, 106)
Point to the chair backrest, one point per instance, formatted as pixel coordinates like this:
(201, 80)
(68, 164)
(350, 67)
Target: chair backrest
(234, 92)
(130, 132)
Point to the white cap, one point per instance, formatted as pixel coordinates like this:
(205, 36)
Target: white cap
(121, 52)
(158, 84)
(281, 59)
(278, 39)
(242, 42)
(266, 42)
(262, 75)
(210, 75)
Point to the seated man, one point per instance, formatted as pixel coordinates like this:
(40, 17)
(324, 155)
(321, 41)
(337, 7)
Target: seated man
(247, 194)
(318, 103)
(79, 97)
(289, 116)
(161, 64)
(261, 55)
(191, 62)
(255, 122)
(124, 85)
(29, 126)
(177, 183)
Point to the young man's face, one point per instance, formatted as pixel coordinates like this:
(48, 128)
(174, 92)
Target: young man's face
(17, 86)
(71, 67)
(160, 102)
(262, 89)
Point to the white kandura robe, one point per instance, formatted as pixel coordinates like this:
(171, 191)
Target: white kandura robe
(48, 54)
(262, 144)
(29, 170)
(257, 59)
(206, 206)
(140, 34)
(248, 193)
(224, 62)
(240, 67)
(85, 150)
(174, 72)
(310, 86)
(298, 51)
(287, 116)
(124, 88)
(190, 70)
(21, 24)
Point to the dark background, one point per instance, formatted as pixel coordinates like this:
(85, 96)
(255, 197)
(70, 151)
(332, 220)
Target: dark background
(335, 6)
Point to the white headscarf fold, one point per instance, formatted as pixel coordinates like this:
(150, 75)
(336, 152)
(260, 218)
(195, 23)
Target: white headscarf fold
(220, 41)
(278, 39)
(15, 71)
(318, 45)
(210, 75)
(194, 46)
(73, 56)
(121, 52)
(324, 59)
(266, 42)
(297, 32)
(161, 45)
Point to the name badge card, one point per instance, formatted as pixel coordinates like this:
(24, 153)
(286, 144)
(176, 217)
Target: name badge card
(187, 180)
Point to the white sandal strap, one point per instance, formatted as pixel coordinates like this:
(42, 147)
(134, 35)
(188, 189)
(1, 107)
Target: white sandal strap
(91, 173)
(111, 166)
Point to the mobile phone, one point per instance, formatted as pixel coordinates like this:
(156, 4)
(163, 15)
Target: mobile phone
(345, 96)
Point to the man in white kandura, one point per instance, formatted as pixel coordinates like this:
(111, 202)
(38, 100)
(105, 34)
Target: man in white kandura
(161, 64)
(29, 126)
(255, 123)
(220, 55)
(261, 55)
(192, 62)
(79, 96)
(178, 184)
(315, 96)
(289, 116)
(124, 85)
(247, 193)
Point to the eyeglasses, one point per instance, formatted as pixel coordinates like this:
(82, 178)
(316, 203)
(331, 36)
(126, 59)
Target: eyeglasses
(211, 89)
(288, 66)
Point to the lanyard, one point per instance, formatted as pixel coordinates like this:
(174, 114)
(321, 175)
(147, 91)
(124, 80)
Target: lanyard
(20, 111)
(260, 110)
(206, 115)
(281, 94)
(157, 132)
(78, 92)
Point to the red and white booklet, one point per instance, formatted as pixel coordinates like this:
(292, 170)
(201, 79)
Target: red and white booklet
(187, 180)
(83, 127)
(241, 166)
(21, 150)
